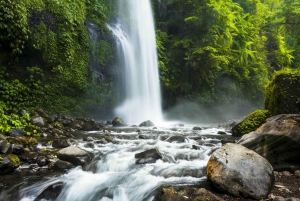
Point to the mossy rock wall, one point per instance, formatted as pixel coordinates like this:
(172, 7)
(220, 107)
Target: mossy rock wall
(251, 122)
(283, 93)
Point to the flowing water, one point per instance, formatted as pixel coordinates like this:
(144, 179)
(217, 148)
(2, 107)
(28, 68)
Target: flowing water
(115, 174)
(136, 44)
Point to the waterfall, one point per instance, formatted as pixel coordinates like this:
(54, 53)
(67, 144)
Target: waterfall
(137, 54)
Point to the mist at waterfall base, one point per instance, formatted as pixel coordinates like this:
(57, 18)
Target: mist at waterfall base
(191, 112)
(136, 53)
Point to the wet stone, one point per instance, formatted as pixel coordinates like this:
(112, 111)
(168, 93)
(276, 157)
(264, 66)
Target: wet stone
(149, 156)
(30, 157)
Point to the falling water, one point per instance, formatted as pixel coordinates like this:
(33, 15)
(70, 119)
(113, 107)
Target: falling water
(137, 53)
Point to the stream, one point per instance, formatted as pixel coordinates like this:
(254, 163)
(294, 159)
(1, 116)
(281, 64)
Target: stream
(114, 175)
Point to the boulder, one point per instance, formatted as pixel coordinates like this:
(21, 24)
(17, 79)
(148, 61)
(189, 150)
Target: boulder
(60, 165)
(283, 92)
(90, 126)
(61, 143)
(197, 128)
(118, 122)
(148, 156)
(9, 163)
(76, 124)
(278, 140)
(41, 113)
(147, 123)
(253, 121)
(239, 171)
(37, 121)
(42, 161)
(75, 155)
(17, 149)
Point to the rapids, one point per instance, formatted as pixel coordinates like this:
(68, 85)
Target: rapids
(115, 175)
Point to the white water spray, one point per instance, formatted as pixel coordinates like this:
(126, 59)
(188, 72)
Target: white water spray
(137, 53)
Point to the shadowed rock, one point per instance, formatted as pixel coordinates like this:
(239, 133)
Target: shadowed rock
(278, 140)
(149, 156)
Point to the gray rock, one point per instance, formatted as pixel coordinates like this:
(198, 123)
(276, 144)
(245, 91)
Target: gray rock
(75, 155)
(147, 123)
(118, 122)
(197, 129)
(42, 161)
(149, 156)
(37, 120)
(30, 157)
(277, 140)
(41, 113)
(241, 172)
(61, 143)
(90, 126)
(9, 164)
(177, 139)
(5, 147)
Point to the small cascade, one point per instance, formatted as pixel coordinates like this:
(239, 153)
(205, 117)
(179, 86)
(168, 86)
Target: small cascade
(136, 45)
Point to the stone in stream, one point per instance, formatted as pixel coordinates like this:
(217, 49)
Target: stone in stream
(60, 165)
(149, 156)
(147, 123)
(177, 139)
(5, 147)
(30, 157)
(75, 155)
(118, 122)
(197, 128)
(240, 171)
(61, 143)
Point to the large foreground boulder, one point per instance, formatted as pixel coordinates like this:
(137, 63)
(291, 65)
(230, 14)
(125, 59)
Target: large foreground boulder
(9, 163)
(239, 171)
(75, 155)
(278, 140)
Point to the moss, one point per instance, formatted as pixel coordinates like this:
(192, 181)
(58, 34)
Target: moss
(282, 94)
(1, 158)
(14, 159)
(251, 122)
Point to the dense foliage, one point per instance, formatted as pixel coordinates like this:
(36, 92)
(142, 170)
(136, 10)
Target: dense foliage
(215, 51)
(210, 51)
(44, 54)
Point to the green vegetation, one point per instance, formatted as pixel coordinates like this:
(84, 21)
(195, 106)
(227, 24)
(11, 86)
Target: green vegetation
(282, 92)
(251, 122)
(216, 51)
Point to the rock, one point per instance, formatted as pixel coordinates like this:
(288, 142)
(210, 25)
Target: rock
(51, 192)
(88, 138)
(17, 132)
(241, 172)
(297, 173)
(76, 124)
(23, 112)
(149, 156)
(147, 123)
(2, 137)
(41, 113)
(61, 143)
(177, 139)
(282, 93)
(184, 193)
(17, 149)
(197, 128)
(75, 155)
(37, 121)
(221, 132)
(60, 165)
(5, 147)
(89, 145)
(9, 163)
(30, 157)
(251, 122)
(42, 161)
(278, 140)
(118, 122)
(90, 126)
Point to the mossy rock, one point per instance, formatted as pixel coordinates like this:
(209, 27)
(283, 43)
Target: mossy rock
(23, 140)
(283, 93)
(14, 159)
(251, 122)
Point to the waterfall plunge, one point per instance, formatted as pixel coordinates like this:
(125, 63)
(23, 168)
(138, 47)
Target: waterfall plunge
(137, 53)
